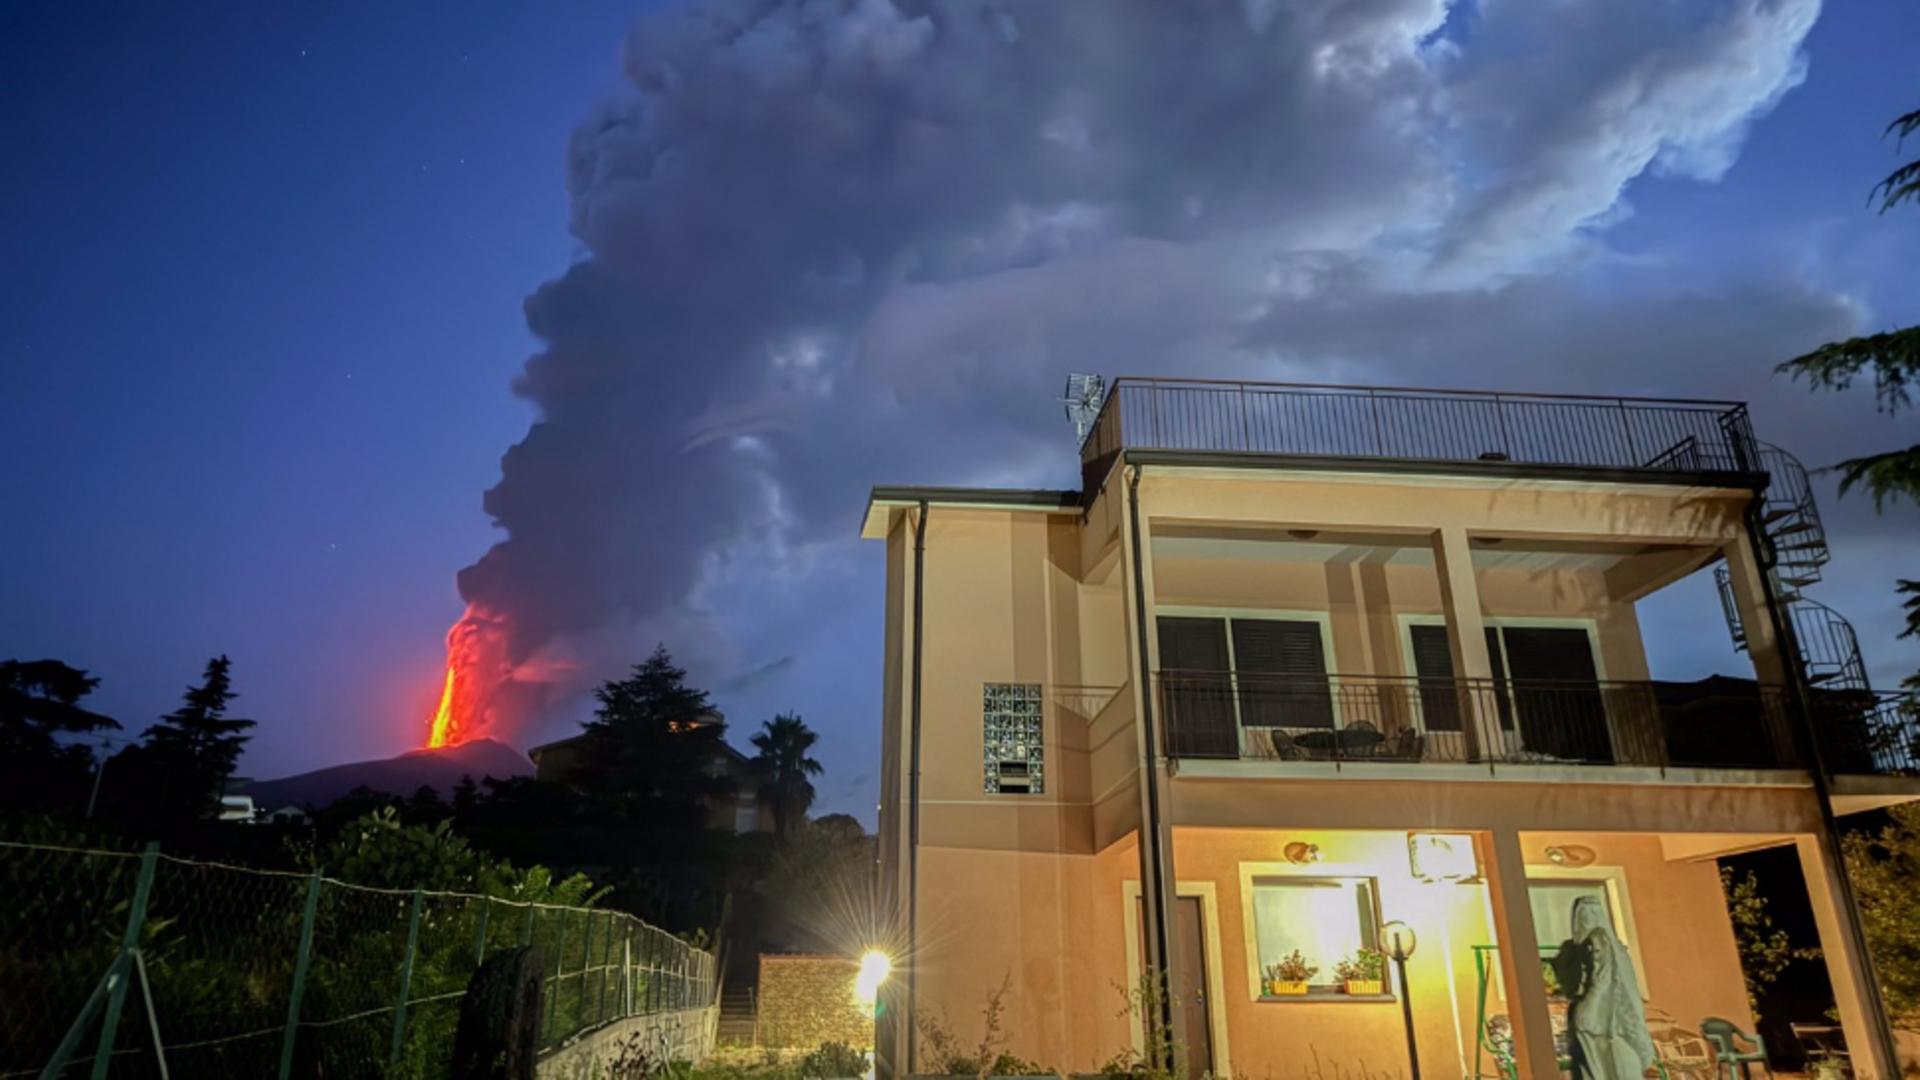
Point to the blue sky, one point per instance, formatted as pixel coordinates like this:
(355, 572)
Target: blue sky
(265, 271)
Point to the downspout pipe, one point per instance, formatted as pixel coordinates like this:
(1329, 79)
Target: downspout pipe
(1155, 860)
(913, 786)
(1809, 739)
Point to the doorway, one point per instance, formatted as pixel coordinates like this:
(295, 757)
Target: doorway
(1192, 997)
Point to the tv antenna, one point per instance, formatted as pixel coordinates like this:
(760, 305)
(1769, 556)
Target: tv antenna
(1085, 393)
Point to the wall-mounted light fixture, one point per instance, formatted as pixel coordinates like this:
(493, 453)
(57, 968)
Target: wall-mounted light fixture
(1571, 855)
(1442, 856)
(1301, 853)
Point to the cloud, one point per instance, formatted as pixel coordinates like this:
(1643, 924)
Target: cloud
(836, 242)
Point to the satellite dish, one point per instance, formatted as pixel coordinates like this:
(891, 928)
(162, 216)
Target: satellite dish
(1085, 393)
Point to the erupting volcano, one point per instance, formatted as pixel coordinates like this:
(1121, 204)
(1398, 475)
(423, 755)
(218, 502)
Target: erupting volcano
(476, 666)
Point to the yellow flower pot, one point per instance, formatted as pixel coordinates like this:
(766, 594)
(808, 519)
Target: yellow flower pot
(1365, 986)
(1286, 988)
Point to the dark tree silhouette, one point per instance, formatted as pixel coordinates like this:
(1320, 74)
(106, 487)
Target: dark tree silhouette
(193, 749)
(39, 703)
(784, 767)
(653, 748)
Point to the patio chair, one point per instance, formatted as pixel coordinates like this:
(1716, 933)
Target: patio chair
(1284, 748)
(1726, 1041)
(1407, 745)
(1682, 1054)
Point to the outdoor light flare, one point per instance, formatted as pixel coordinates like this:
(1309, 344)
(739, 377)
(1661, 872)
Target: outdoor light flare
(875, 966)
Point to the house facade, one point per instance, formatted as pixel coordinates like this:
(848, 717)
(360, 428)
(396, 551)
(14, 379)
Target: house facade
(1299, 671)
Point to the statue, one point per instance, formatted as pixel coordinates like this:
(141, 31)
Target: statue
(1606, 1020)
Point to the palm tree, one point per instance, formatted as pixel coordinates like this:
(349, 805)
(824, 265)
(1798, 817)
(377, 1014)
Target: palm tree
(784, 766)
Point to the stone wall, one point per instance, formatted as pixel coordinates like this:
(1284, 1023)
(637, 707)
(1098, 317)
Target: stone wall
(808, 1000)
(686, 1035)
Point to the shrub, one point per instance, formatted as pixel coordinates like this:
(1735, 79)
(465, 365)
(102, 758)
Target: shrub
(831, 1061)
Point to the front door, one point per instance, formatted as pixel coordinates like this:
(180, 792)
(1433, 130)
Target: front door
(1190, 997)
(1190, 1003)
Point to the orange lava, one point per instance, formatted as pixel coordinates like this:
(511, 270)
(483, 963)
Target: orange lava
(441, 731)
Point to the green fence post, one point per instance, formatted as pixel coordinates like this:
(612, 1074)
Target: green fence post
(480, 935)
(129, 941)
(406, 982)
(586, 966)
(526, 929)
(302, 954)
(606, 961)
(559, 943)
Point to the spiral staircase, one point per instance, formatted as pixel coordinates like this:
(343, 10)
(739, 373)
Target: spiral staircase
(1859, 729)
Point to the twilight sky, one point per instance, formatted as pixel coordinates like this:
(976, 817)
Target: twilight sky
(279, 286)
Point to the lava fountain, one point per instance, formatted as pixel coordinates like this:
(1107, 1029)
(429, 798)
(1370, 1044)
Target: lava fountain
(476, 666)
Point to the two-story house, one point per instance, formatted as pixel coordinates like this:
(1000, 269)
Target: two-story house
(1297, 663)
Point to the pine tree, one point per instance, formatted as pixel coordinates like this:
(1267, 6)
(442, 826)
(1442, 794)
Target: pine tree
(194, 749)
(39, 703)
(654, 747)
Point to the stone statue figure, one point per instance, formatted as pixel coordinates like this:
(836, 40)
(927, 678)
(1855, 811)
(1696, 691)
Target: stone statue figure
(1606, 1020)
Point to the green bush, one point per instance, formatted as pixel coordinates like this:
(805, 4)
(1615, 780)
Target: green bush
(831, 1061)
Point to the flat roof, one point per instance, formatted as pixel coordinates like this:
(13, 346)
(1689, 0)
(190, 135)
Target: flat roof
(885, 499)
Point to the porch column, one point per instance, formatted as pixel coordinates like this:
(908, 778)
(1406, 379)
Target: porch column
(1519, 954)
(1466, 635)
(1750, 586)
(1846, 968)
(1156, 830)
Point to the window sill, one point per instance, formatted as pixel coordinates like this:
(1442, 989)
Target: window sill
(1322, 997)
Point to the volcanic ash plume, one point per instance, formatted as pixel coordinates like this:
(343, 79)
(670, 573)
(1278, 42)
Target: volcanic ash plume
(834, 242)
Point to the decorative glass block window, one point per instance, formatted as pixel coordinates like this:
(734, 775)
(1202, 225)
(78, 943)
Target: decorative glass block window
(1013, 738)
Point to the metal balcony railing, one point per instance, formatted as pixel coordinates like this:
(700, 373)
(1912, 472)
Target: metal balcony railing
(1376, 718)
(1868, 732)
(1652, 435)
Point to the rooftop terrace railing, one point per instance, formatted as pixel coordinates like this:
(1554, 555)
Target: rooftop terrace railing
(1656, 436)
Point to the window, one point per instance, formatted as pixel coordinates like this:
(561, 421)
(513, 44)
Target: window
(1548, 681)
(1326, 919)
(1552, 904)
(746, 814)
(1014, 734)
(1221, 673)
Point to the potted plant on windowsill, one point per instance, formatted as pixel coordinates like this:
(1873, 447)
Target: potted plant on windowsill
(1290, 977)
(1364, 972)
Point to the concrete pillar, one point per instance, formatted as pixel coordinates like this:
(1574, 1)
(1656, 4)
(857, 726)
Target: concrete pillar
(1519, 953)
(1157, 877)
(1467, 640)
(1750, 599)
(1846, 968)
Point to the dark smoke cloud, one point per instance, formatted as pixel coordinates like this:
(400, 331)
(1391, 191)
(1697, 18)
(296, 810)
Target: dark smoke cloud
(834, 242)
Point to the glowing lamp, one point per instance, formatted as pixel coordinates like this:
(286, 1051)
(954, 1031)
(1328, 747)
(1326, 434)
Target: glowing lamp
(1442, 856)
(875, 966)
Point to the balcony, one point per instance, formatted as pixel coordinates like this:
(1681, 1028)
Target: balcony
(1493, 431)
(1225, 715)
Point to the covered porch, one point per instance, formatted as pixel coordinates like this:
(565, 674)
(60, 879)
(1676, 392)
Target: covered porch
(1270, 922)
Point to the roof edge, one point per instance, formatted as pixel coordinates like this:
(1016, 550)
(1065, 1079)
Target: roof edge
(1045, 500)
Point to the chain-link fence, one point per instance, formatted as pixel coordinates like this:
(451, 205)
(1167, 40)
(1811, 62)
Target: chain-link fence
(144, 964)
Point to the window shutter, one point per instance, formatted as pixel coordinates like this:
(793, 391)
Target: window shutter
(1281, 666)
(1192, 644)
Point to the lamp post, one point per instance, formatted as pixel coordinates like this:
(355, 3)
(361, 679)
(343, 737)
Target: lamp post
(1399, 940)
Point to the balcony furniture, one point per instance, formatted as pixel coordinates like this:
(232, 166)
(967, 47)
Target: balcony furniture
(1408, 745)
(1820, 1040)
(1358, 740)
(1285, 748)
(1727, 1040)
(1684, 1055)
